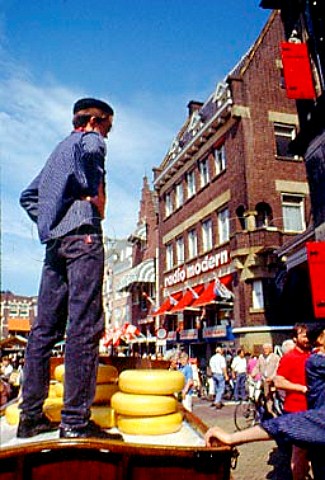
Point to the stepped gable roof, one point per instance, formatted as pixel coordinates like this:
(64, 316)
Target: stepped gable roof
(199, 118)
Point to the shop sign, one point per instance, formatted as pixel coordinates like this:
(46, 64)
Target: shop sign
(215, 332)
(210, 262)
(191, 334)
(172, 336)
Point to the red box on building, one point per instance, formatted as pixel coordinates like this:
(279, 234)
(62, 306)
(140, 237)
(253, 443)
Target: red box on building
(297, 71)
(316, 263)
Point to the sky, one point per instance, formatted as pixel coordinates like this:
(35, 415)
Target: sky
(147, 58)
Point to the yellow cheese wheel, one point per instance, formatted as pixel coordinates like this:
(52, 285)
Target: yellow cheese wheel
(143, 405)
(53, 390)
(59, 373)
(158, 425)
(52, 408)
(105, 373)
(12, 413)
(103, 416)
(58, 389)
(104, 392)
(151, 382)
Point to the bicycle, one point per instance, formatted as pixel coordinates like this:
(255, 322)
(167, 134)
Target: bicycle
(251, 412)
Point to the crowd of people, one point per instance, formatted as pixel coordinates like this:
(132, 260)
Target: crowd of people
(300, 376)
(11, 377)
(239, 375)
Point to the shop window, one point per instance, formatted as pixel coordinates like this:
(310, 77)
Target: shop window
(257, 295)
(219, 159)
(284, 134)
(207, 235)
(293, 213)
(179, 195)
(223, 226)
(204, 172)
(180, 250)
(169, 256)
(190, 179)
(192, 244)
(263, 215)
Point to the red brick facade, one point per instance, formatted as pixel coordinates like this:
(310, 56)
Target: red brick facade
(244, 201)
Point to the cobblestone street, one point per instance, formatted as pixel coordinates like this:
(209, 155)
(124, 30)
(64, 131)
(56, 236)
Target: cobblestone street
(257, 461)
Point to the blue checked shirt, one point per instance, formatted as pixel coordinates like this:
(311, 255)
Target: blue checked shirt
(55, 199)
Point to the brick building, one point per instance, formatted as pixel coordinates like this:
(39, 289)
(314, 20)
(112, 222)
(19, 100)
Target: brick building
(140, 281)
(231, 193)
(17, 314)
(303, 51)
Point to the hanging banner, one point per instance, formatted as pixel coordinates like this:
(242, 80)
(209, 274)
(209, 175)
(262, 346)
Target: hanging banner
(316, 264)
(297, 71)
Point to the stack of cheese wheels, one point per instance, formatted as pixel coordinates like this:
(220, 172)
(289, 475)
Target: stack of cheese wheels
(146, 404)
(101, 412)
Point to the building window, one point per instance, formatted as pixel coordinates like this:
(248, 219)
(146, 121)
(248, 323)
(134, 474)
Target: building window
(263, 215)
(192, 244)
(223, 226)
(220, 159)
(13, 309)
(168, 204)
(190, 178)
(179, 199)
(23, 310)
(169, 256)
(284, 134)
(180, 250)
(204, 172)
(293, 213)
(257, 295)
(207, 235)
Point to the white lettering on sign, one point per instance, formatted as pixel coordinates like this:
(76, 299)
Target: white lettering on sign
(208, 263)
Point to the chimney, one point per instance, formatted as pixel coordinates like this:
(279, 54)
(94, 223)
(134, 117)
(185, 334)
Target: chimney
(193, 106)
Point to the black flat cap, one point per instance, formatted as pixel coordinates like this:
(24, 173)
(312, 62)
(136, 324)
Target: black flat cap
(314, 330)
(85, 103)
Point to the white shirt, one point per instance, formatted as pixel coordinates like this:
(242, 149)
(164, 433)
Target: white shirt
(217, 363)
(239, 364)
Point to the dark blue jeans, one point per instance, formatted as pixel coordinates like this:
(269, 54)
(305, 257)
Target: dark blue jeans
(240, 387)
(69, 302)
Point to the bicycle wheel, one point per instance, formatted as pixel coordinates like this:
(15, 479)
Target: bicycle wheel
(245, 415)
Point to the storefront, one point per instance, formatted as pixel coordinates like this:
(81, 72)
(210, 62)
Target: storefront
(198, 306)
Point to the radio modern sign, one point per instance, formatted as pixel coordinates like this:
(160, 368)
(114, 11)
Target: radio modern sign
(210, 262)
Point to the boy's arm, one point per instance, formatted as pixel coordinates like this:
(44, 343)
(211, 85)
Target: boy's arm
(29, 199)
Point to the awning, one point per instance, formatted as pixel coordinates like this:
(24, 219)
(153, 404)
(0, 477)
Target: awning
(9, 342)
(216, 290)
(188, 298)
(18, 324)
(142, 273)
(126, 332)
(167, 305)
(140, 233)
